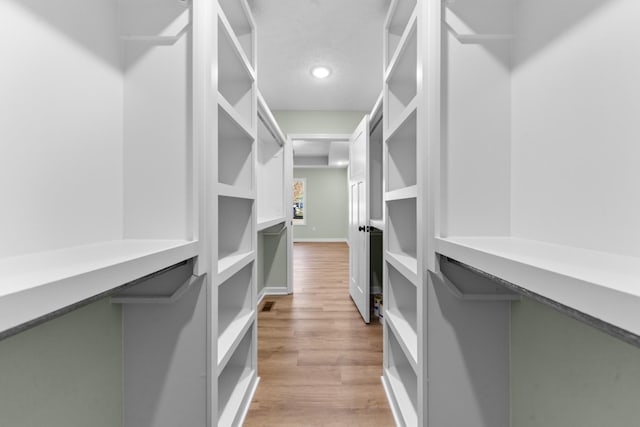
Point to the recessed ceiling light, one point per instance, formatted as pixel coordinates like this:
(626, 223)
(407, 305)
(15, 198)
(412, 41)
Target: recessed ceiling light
(320, 72)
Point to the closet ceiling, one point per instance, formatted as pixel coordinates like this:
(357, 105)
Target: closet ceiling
(296, 35)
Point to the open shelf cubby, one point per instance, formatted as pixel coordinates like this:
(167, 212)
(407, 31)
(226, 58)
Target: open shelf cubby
(401, 232)
(395, 24)
(235, 76)
(239, 16)
(270, 173)
(235, 226)
(235, 158)
(272, 258)
(236, 380)
(401, 77)
(235, 310)
(530, 193)
(402, 380)
(401, 155)
(100, 191)
(401, 306)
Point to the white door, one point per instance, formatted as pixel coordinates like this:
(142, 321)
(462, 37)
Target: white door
(359, 218)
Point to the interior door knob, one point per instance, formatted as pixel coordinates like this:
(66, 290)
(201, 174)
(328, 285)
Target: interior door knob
(361, 228)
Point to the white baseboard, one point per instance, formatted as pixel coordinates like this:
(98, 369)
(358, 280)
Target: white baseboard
(321, 240)
(272, 290)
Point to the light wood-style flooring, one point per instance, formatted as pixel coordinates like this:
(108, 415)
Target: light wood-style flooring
(319, 363)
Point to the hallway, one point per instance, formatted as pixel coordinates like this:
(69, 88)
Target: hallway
(319, 364)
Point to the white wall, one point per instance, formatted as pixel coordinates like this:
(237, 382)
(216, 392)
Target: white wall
(576, 97)
(60, 125)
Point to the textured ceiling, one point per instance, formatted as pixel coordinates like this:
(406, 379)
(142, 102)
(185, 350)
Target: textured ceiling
(295, 35)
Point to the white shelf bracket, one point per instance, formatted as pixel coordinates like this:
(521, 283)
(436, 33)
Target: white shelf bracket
(484, 288)
(275, 233)
(160, 299)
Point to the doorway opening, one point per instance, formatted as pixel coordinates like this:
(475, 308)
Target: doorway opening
(321, 340)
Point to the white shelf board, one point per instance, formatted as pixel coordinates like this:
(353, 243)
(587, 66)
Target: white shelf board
(232, 336)
(405, 264)
(410, 192)
(237, 46)
(405, 335)
(602, 285)
(402, 118)
(233, 114)
(238, 16)
(264, 223)
(401, 398)
(397, 8)
(239, 394)
(231, 264)
(35, 285)
(239, 193)
(406, 35)
(377, 223)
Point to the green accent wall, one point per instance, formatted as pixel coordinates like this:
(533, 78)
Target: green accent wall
(66, 372)
(344, 122)
(327, 204)
(567, 374)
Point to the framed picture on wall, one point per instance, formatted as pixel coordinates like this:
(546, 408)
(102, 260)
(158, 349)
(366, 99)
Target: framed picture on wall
(299, 201)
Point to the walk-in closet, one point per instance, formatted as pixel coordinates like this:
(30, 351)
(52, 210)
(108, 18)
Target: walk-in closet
(483, 170)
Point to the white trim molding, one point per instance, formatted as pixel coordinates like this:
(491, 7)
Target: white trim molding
(321, 240)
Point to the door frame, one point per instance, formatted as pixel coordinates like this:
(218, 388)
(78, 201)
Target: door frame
(289, 166)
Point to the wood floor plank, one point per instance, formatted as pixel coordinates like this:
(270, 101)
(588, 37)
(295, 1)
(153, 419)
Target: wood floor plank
(319, 363)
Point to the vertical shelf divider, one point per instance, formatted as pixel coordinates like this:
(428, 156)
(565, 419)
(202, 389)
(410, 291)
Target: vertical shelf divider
(405, 191)
(234, 192)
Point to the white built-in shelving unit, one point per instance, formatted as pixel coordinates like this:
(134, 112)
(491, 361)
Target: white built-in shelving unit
(401, 381)
(274, 182)
(270, 168)
(401, 309)
(238, 15)
(130, 172)
(91, 212)
(527, 168)
(102, 179)
(235, 278)
(395, 26)
(404, 197)
(234, 380)
(236, 315)
(530, 169)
